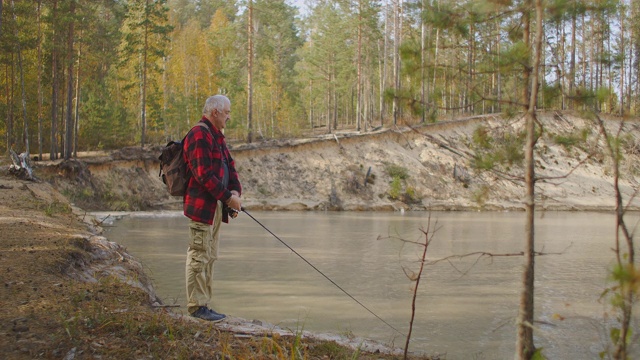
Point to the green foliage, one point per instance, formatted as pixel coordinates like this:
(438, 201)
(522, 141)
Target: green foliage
(513, 150)
(56, 207)
(482, 138)
(585, 97)
(332, 350)
(552, 95)
(625, 274)
(483, 161)
(626, 283)
(509, 112)
(395, 189)
(537, 355)
(144, 43)
(106, 122)
(615, 333)
(132, 53)
(617, 144)
(513, 57)
(628, 144)
(481, 195)
(603, 94)
(447, 16)
(573, 139)
(397, 171)
(410, 194)
(398, 191)
(566, 141)
(506, 150)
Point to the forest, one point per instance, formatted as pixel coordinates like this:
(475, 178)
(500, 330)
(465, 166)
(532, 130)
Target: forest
(79, 75)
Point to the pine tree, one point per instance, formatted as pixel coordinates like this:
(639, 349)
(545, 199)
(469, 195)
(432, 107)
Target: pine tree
(145, 39)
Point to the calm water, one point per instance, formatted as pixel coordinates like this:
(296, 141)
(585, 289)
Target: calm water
(466, 307)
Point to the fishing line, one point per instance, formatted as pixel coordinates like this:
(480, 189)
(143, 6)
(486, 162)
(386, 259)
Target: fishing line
(321, 273)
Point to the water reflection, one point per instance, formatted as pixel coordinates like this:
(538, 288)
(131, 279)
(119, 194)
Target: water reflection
(466, 308)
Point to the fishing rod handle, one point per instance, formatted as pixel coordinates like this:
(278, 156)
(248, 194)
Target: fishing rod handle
(233, 213)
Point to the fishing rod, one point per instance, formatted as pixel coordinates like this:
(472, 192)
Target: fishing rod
(321, 273)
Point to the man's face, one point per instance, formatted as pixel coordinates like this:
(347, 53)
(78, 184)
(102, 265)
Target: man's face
(220, 117)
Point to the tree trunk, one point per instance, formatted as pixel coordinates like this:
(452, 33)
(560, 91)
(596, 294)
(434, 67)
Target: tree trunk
(335, 98)
(25, 127)
(68, 138)
(383, 72)
(249, 72)
(39, 65)
(396, 59)
(165, 95)
(583, 48)
(311, 104)
(609, 76)
(466, 102)
(435, 60)
(328, 104)
(499, 78)
(622, 58)
(630, 72)
(77, 103)
(525, 347)
(9, 121)
(572, 64)
(359, 69)
(143, 96)
(55, 83)
(422, 64)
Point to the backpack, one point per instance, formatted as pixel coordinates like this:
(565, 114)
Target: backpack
(174, 171)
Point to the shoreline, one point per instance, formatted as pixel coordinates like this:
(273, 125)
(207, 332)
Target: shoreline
(231, 324)
(82, 275)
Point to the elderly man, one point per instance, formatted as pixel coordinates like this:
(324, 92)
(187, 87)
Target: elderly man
(213, 188)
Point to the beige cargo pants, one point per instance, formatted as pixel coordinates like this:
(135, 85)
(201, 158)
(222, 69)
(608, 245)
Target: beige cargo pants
(201, 254)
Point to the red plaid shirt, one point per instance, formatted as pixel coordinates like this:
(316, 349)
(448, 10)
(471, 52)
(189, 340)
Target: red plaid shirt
(205, 161)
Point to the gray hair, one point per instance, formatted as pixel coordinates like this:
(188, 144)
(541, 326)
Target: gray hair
(215, 102)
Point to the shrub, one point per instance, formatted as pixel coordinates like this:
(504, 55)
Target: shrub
(573, 139)
(481, 137)
(397, 171)
(396, 188)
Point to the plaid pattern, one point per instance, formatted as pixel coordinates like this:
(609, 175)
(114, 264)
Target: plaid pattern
(205, 161)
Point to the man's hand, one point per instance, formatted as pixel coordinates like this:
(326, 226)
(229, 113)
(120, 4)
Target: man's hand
(234, 201)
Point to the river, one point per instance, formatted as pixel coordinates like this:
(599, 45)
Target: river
(465, 308)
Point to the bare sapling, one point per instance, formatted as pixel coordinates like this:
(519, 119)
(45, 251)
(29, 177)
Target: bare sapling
(415, 277)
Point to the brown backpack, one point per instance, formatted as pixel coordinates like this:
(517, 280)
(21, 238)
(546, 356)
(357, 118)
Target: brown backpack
(174, 171)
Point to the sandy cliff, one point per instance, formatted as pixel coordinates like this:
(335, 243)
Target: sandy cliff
(432, 165)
